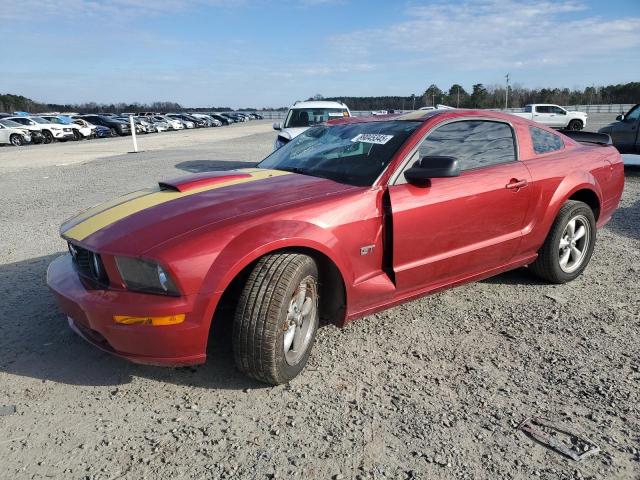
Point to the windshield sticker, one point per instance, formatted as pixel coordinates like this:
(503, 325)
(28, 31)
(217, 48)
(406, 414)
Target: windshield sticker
(376, 138)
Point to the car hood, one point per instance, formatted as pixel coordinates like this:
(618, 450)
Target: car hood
(290, 133)
(607, 128)
(137, 222)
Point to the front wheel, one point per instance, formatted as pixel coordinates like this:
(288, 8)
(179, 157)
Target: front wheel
(48, 136)
(575, 125)
(277, 318)
(568, 247)
(16, 140)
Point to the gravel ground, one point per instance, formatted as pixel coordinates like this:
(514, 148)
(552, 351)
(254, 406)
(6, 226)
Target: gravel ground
(431, 389)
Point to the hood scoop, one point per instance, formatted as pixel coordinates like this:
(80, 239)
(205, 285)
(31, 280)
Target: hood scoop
(202, 180)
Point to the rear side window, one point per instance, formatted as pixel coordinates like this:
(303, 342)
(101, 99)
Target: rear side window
(545, 142)
(475, 143)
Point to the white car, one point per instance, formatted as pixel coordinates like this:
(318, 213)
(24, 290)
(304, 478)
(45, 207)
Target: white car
(172, 122)
(13, 135)
(554, 116)
(50, 131)
(84, 124)
(79, 132)
(302, 115)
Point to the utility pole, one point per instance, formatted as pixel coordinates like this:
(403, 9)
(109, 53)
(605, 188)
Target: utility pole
(433, 99)
(506, 93)
(413, 95)
(458, 101)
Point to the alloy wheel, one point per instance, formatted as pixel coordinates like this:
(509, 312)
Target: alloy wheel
(574, 243)
(298, 326)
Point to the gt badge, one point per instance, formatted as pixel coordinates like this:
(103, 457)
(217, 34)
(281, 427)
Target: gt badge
(367, 249)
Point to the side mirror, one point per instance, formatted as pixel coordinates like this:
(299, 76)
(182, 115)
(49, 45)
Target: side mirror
(277, 126)
(429, 167)
(620, 117)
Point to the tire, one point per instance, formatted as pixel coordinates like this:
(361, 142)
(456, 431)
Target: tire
(16, 140)
(48, 136)
(271, 315)
(549, 264)
(114, 132)
(575, 125)
(76, 135)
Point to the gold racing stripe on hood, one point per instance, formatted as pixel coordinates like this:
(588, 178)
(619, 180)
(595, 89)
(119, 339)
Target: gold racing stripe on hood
(101, 216)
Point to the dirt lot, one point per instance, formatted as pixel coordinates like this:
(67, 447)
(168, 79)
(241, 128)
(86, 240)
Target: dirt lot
(431, 389)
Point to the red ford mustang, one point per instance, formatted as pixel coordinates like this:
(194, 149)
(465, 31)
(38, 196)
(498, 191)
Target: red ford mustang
(346, 219)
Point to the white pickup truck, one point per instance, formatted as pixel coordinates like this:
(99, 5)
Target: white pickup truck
(554, 116)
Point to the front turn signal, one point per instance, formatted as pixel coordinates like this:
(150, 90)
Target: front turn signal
(155, 321)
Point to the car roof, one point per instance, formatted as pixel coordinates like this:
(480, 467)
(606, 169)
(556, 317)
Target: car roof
(318, 104)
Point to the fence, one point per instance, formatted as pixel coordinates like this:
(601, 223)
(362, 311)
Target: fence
(608, 108)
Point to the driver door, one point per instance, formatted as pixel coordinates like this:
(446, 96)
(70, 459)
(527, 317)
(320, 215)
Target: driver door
(459, 226)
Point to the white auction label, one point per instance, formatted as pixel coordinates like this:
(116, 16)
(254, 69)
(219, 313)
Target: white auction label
(376, 138)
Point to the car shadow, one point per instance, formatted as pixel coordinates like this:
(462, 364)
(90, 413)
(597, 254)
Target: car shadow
(519, 276)
(198, 166)
(36, 342)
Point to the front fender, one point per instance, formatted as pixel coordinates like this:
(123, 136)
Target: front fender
(261, 239)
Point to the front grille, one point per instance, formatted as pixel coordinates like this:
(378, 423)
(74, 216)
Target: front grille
(88, 264)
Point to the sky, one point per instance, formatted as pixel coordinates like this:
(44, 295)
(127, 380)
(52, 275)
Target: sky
(269, 53)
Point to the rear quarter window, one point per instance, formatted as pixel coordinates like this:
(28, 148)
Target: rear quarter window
(545, 142)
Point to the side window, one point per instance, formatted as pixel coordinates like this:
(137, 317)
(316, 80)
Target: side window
(557, 110)
(544, 142)
(475, 143)
(634, 114)
(527, 109)
(543, 109)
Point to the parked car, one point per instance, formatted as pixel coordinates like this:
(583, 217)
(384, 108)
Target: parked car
(84, 124)
(79, 132)
(302, 115)
(33, 132)
(159, 125)
(174, 123)
(103, 132)
(13, 135)
(624, 131)
(221, 118)
(554, 116)
(50, 131)
(361, 213)
(185, 122)
(117, 127)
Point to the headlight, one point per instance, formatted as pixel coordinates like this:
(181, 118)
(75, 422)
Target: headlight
(146, 276)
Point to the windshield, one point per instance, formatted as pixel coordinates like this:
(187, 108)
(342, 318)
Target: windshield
(355, 154)
(39, 120)
(11, 124)
(307, 117)
(55, 120)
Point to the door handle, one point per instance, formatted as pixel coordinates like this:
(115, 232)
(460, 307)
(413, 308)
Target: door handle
(516, 184)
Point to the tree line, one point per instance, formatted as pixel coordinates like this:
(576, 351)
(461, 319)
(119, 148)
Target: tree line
(494, 96)
(480, 96)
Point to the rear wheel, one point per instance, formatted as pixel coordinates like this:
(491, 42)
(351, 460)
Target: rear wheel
(48, 136)
(277, 318)
(568, 248)
(114, 132)
(16, 140)
(575, 125)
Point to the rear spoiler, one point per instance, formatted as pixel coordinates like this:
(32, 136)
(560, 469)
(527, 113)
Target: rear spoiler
(588, 137)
